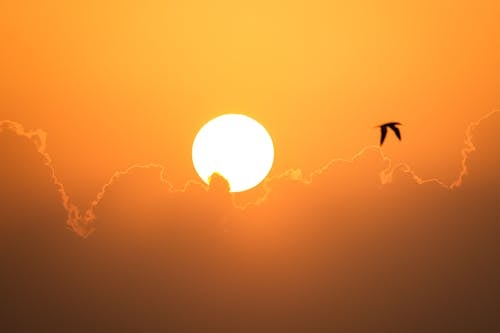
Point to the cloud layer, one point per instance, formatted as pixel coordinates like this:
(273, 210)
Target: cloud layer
(82, 220)
(359, 245)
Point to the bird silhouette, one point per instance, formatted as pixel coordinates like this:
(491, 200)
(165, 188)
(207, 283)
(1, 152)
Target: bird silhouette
(393, 127)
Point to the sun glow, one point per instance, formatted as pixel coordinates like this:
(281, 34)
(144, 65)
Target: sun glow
(235, 146)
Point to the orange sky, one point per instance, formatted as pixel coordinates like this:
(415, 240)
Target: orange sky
(115, 83)
(100, 102)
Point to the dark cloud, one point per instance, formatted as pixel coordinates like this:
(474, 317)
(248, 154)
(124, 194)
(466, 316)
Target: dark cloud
(359, 246)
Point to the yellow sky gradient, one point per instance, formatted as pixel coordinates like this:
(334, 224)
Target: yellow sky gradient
(116, 83)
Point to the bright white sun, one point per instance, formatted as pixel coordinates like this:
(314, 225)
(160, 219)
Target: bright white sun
(235, 146)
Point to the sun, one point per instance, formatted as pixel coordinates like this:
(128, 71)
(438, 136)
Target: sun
(235, 146)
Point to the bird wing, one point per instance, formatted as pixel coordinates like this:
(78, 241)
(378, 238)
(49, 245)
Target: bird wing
(396, 131)
(383, 134)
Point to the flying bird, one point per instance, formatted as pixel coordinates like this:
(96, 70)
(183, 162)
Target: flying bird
(393, 127)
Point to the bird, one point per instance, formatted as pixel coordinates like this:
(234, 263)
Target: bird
(393, 127)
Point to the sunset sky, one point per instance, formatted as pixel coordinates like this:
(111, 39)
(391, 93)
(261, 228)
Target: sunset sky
(100, 102)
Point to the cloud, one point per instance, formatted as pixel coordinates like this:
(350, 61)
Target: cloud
(359, 245)
(82, 221)
(39, 140)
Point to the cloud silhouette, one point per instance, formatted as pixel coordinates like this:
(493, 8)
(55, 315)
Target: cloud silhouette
(359, 245)
(81, 221)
